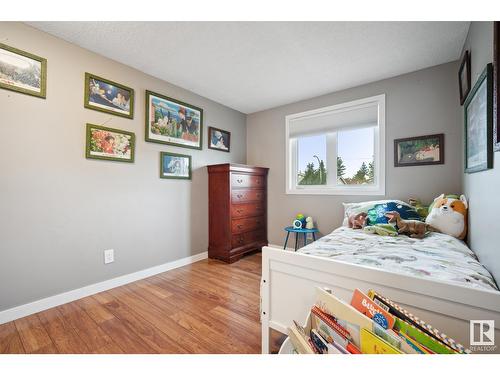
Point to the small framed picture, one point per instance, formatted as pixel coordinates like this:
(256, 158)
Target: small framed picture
(175, 166)
(464, 80)
(423, 150)
(107, 96)
(478, 119)
(219, 139)
(109, 144)
(172, 122)
(22, 71)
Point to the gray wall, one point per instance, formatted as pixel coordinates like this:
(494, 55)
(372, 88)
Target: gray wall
(482, 188)
(59, 211)
(418, 103)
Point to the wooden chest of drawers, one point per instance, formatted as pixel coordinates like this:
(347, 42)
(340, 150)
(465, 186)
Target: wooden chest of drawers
(237, 210)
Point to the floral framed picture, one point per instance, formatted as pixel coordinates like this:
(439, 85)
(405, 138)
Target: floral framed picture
(423, 150)
(109, 144)
(219, 139)
(464, 77)
(478, 120)
(173, 122)
(22, 71)
(176, 166)
(107, 96)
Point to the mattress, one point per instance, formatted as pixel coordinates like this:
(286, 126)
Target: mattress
(437, 256)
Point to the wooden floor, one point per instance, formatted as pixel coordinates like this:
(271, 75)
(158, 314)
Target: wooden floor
(205, 307)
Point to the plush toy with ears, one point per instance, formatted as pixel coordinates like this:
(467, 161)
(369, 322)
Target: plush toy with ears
(449, 215)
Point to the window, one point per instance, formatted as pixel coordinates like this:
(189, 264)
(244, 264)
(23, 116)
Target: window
(338, 149)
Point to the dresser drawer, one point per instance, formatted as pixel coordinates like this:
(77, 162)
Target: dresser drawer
(246, 225)
(247, 209)
(247, 181)
(247, 195)
(248, 238)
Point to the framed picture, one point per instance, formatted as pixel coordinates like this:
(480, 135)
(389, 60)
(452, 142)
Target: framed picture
(496, 85)
(464, 80)
(175, 166)
(219, 139)
(22, 71)
(108, 96)
(173, 122)
(109, 144)
(478, 119)
(423, 150)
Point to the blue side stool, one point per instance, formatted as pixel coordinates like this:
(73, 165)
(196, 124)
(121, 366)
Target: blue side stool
(297, 232)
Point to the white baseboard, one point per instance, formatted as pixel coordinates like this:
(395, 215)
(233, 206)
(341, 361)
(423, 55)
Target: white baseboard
(72, 295)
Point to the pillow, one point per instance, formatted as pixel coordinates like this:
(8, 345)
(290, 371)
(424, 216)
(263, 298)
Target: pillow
(356, 208)
(376, 215)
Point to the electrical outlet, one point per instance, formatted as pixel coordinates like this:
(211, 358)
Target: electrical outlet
(109, 256)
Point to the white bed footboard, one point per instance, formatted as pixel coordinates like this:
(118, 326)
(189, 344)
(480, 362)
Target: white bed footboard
(289, 278)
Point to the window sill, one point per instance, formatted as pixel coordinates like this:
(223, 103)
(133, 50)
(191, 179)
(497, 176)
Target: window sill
(336, 191)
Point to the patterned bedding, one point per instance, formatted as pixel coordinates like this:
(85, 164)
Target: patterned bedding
(437, 256)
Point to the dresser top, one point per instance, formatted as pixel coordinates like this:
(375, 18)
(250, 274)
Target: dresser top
(232, 167)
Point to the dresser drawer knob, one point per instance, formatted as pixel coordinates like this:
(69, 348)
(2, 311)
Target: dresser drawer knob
(239, 195)
(239, 210)
(257, 195)
(240, 226)
(239, 180)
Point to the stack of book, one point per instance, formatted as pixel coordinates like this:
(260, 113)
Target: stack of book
(370, 324)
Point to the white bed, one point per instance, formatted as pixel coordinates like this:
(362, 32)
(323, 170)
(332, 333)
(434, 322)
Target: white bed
(452, 289)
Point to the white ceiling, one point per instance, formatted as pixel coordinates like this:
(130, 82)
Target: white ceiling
(252, 66)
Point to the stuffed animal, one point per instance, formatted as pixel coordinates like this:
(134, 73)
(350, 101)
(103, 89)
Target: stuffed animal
(422, 210)
(309, 222)
(412, 228)
(357, 221)
(449, 215)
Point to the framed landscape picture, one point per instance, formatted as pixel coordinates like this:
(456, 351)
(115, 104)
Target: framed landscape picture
(175, 166)
(109, 144)
(464, 80)
(22, 71)
(219, 139)
(478, 119)
(423, 150)
(108, 96)
(173, 122)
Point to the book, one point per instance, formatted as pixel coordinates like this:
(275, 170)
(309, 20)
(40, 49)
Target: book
(368, 307)
(331, 330)
(408, 317)
(300, 341)
(319, 342)
(421, 338)
(354, 320)
(372, 344)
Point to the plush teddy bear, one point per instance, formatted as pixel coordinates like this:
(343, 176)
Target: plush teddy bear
(357, 221)
(449, 215)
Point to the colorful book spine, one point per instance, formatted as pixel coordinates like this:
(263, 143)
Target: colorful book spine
(405, 315)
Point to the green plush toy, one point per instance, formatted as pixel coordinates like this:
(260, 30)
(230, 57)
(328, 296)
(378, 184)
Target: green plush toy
(422, 210)
(381, 230)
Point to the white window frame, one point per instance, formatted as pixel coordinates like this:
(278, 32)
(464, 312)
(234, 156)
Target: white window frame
(377, 188)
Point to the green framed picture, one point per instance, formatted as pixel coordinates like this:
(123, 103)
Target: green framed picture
(478, 120)
(173, 122)
(22, 71)
(107, 96)
(176, 166)
(109, 144)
